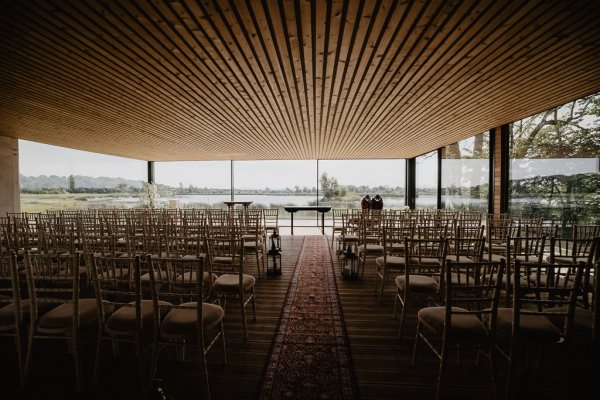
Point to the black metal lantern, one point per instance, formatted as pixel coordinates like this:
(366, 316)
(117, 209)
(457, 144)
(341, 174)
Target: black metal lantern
(349, 261)
(274, 254)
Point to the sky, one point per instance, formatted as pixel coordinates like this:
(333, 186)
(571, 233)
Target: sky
(40, 159)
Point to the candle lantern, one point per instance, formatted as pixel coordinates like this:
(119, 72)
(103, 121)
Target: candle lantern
(274, 254)
(349, 264)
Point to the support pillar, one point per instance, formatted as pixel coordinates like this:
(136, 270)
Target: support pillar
(10, 197)
(500, 162)
(410, 194)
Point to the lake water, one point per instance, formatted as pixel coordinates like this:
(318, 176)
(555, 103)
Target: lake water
(276, 201)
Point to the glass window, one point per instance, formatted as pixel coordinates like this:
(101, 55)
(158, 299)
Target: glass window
(344, 183)
(426, 180)
(465, 174)
(555, 165)
(278, 183)
(59, 178)
(193, 184)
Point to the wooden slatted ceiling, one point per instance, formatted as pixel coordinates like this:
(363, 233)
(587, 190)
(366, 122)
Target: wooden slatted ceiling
(209, 80)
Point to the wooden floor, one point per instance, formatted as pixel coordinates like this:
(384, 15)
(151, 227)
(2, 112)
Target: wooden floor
(381, 360)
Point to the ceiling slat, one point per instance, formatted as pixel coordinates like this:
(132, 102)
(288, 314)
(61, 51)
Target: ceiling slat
(292, 79)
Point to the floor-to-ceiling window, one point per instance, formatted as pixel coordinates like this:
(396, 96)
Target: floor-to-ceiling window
(276, 184)
(59, 178)
(465, 173)
(193, 184)
(426, 180)
(343, 183)
(555, 163)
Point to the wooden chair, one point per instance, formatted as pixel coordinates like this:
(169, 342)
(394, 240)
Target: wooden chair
(468, 317)
(498, 229)
(421, 275)
(124, 317)
(466, 245)
(370, 240)
(270, 221)
(543, 294)
(56, 309)
(12, 308)
(338, 215)
(252, 233)
(177, 318)
(393, 253)
(226, 260)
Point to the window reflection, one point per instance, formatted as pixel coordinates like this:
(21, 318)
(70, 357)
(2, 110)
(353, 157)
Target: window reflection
(465, 174)
(555, 164)
(426, 180)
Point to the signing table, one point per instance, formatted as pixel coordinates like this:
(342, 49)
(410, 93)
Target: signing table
(321, 209)
(231, 204)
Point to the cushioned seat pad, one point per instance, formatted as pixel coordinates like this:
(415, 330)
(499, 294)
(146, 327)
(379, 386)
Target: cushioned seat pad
(418, 283)
(181, 322)
(463, 326)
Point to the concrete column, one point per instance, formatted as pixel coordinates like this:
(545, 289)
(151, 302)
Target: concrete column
(10, 199)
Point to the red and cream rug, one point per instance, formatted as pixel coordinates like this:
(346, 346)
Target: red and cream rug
(310, 356)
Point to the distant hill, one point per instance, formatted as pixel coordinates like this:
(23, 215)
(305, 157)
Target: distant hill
(62, 182)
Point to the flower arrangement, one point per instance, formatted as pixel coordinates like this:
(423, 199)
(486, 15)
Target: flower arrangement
(148, 196)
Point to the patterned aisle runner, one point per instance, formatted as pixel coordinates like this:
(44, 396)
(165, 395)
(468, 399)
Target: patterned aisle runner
(310, 356)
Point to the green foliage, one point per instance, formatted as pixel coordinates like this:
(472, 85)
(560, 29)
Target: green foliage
(572, 198)
(569, 131)
(331, 188)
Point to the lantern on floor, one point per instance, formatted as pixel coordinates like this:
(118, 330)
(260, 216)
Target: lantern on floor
(349, 264)
(274, 254)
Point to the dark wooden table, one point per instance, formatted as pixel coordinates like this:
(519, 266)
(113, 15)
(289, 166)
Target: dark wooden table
(231, 204)
(321, 209)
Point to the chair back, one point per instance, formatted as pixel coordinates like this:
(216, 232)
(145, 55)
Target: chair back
(472, 288)
(525, 248)
(117, 284)
(546, 291)
(270, 220)
(52, 281)
(225, 255)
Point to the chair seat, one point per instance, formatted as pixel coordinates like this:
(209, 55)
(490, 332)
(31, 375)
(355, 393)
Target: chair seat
(527, 258)
(370, 249)
(463, 326)
(583, 320)
(60, 318)
(164, 275)
(190, 277)
(231, 282)
(181, 323)
(122, 322)
(350, 237)
(253, 245)
(568, 260)
(426, 261)
(537, 329)
(493, 257)
(7, 314)
(391, 261)
(459, 258)
(418, 283)
(193, 256)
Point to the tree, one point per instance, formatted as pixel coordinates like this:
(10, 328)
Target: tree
(330, 187)
(568, 131)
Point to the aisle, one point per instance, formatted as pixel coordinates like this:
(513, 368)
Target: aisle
(310, 357)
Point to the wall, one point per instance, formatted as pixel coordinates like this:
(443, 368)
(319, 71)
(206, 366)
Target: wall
(10, 200)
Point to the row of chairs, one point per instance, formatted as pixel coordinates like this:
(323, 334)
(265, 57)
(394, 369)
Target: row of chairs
(544, 317)
(427, 268)
(148, 301)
